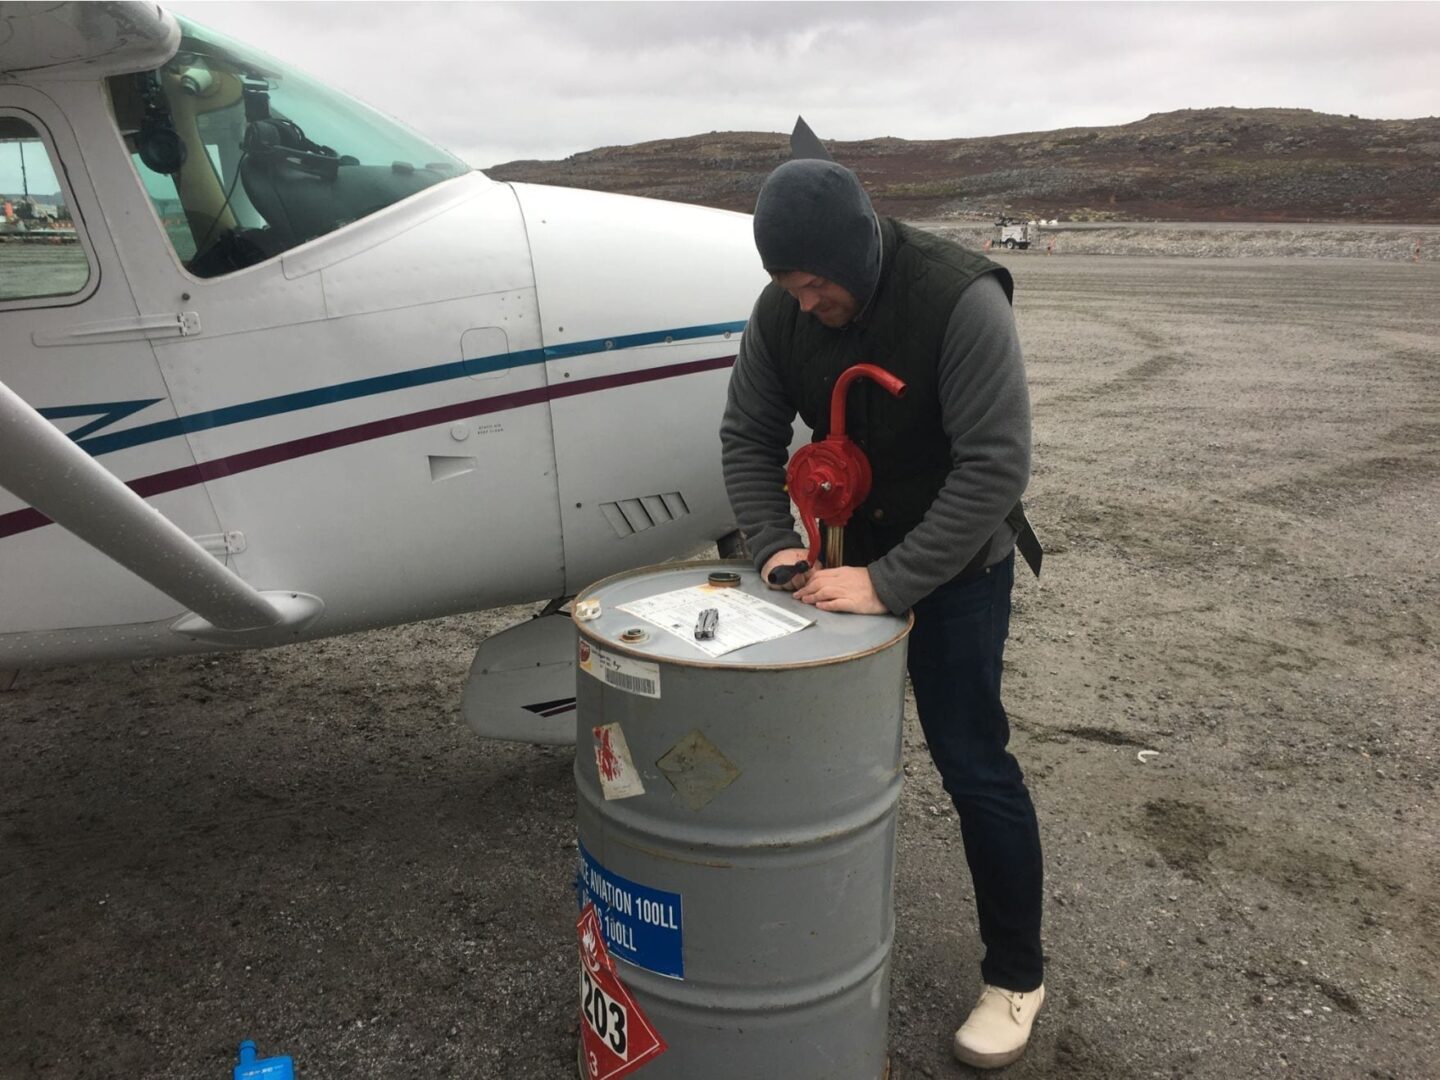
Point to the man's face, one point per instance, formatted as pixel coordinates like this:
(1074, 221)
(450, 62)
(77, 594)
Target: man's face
(832, 304)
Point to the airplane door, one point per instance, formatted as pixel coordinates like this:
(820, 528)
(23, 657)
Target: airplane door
(369, 412)
(77, 348)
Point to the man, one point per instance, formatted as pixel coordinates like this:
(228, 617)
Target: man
(937, 534)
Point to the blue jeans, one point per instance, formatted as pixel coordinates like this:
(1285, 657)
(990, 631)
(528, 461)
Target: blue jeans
(956, 654)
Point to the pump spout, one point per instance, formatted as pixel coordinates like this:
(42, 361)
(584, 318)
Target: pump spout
(892, 384)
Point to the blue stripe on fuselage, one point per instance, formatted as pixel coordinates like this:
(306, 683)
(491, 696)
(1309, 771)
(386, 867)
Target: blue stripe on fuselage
(382, 384)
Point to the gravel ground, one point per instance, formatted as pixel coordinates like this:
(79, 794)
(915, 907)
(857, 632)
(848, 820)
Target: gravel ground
(1236, 481)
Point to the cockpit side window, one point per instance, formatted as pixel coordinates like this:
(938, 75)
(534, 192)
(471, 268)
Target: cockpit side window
(41, 255)
(244, 159)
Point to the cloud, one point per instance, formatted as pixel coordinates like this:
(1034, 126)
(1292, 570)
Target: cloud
(494, 82)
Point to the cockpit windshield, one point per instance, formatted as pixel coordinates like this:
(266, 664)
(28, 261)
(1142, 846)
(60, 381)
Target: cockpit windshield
(245, 158)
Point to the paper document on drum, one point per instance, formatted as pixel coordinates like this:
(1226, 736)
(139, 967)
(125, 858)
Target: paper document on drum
(744, 619)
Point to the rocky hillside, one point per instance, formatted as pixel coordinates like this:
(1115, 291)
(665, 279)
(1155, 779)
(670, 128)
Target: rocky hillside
(1193, 165)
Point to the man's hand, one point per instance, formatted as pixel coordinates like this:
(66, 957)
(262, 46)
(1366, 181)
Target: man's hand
(846, 588)
(786, 557)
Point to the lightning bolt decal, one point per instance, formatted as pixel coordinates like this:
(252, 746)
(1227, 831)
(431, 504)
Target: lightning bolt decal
(105, 413)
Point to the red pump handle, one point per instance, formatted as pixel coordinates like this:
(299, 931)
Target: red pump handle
(830, 478)
(895, 386)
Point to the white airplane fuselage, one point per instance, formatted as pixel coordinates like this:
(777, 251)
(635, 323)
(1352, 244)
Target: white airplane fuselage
(484, 393)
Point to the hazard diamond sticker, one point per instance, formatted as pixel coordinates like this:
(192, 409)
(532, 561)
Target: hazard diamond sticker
(615, 1037)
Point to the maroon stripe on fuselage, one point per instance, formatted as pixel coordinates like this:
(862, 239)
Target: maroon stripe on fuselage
(19, 521)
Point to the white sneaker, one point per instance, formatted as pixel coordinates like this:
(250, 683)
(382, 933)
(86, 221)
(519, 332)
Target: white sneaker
(998, 1027)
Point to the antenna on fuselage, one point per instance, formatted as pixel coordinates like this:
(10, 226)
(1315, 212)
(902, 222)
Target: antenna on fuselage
(805, 144)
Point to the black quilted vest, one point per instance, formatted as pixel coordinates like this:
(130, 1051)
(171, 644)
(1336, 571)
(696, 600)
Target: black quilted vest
(921, 279)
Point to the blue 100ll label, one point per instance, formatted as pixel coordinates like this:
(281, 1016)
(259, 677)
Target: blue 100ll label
(642, 926)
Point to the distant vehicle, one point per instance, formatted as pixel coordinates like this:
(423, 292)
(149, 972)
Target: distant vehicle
(1012, 234)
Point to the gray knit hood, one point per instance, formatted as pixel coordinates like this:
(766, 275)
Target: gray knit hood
(814, 216)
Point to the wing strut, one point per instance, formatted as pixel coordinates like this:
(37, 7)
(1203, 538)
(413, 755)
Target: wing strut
(45, 468)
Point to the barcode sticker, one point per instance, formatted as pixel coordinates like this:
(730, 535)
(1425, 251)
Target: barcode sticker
(632, 676)
(631, 683)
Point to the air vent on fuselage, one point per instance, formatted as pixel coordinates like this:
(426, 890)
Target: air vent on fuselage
(630, 516)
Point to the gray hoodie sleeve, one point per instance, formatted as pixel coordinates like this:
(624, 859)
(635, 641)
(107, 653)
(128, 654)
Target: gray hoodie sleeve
(754, 446)
(985, 410)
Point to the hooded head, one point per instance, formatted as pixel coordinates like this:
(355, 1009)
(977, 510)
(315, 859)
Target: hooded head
(813, 216)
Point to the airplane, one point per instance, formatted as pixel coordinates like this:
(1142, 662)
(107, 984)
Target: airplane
(294, 371)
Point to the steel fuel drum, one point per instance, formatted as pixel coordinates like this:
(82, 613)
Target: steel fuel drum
(737, 826)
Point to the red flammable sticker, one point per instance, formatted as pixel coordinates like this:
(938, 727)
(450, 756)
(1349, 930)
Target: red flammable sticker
(615, 1037)
(619, 779)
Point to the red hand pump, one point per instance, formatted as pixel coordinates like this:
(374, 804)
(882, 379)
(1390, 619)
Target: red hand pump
(830, 478)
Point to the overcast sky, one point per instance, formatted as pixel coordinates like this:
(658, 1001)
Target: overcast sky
(496, 82)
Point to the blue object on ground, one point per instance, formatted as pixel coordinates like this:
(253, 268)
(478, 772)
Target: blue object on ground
(275, 1068)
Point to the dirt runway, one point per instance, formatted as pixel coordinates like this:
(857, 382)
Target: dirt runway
(1236, 477)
